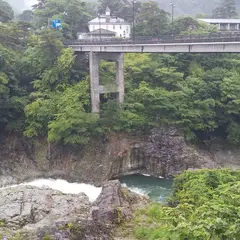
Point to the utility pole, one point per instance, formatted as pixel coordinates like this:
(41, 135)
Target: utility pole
(173, 6)
(133, 30)
(49, 20)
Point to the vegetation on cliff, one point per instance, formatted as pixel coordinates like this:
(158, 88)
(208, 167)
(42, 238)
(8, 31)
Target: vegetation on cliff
(44, 87)
(205, 205)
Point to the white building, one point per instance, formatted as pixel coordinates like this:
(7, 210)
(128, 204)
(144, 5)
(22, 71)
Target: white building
(224, 24)
(107, 25)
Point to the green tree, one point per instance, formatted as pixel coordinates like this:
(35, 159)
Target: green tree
(204, 205)
(189, 25)
(151, 20)
(73, 13)
(115, 6)
(13, 98)
(26, 16)
(123, 8)
(227, 9)
(6, 12)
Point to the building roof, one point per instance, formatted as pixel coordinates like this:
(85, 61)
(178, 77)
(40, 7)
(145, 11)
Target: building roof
(219, 20)
(102, 32)
(108, 19)
(111, 20)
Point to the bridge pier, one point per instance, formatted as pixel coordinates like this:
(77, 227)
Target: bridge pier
(96, 88)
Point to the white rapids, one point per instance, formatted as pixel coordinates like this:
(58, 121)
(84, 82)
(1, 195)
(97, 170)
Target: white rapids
(65, 187)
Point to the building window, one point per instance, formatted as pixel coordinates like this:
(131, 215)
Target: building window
(127, 29)
(223, 26)
(233, 26)
(120, 35)
(120, 26)
(113, 26)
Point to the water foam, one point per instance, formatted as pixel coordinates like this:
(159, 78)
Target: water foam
(65, 187)
(137, 190)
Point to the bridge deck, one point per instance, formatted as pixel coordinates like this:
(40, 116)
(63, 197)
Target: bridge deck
(199, 47)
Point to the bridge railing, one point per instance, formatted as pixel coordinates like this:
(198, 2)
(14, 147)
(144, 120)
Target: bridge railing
(211, 37)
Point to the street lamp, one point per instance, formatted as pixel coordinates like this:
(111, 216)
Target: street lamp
(100, 31)
(173, 6)
(133, 30)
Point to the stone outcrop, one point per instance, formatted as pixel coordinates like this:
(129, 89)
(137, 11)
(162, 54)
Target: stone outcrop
(163, 152)
(37, 212)
(115, 204)
(33, 210)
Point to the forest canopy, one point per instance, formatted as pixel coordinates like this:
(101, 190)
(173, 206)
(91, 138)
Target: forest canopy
(204, 205)
(44, 86)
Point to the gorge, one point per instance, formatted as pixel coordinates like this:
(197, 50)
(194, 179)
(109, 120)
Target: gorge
(175, 137)
(163, 153)
(27, 215)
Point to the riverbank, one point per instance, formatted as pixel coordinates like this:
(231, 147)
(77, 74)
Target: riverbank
(28, 212)
(161, 153)
(204, 205)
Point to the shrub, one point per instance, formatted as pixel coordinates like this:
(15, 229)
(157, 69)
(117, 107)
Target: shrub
(205, 206)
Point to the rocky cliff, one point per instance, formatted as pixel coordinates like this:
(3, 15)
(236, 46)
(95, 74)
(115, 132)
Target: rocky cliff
(163, 153)
(31, 213)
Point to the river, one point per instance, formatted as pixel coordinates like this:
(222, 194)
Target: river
(156, 188)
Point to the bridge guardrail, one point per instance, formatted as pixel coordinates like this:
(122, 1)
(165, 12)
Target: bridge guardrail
(212, 37)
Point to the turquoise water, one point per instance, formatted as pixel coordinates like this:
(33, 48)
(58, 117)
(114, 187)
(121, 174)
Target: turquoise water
(157, 189)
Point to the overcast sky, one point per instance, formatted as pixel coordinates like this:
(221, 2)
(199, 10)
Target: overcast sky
(29, 3)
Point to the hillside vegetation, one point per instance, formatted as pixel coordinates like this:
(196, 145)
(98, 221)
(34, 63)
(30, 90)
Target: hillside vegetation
(194, 7)
(183, 7)
(44, 87)
(204, 206)
(44, 92)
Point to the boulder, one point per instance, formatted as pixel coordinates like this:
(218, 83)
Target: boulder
(33, 211)
(24, 206)
(115, 204)
(42, 213)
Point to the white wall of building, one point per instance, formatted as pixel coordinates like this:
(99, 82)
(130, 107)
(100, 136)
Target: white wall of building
(121, 29)
(223, 24)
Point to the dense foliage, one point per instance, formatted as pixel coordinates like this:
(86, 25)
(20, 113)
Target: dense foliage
(6, 12)
(44, 87)
(204, 206)
(183, 7)
(226, 9)
(191, 91)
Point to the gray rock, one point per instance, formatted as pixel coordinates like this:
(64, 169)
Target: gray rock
(32, 212)
(163, 154)
(115, 204)
(30, 207)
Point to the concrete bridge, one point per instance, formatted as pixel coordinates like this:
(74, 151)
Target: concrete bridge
(196, 47)
(114, 51)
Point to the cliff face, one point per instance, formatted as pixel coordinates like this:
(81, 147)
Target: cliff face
(162, 153)
(32, 213)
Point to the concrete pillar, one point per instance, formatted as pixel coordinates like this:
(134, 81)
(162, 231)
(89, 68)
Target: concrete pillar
(94, 81)
(120, 77)
(96, 88)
